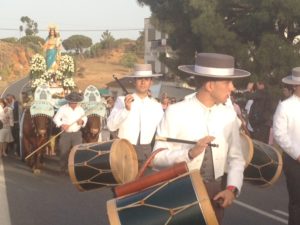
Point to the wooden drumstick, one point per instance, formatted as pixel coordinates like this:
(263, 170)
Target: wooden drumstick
(121, 85)
(158, 138)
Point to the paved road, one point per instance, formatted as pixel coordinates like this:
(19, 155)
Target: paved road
(50, 199)
(260, 206)
(15, 88)
(47, 199)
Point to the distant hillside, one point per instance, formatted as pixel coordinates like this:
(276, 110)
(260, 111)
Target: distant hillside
(14, 64)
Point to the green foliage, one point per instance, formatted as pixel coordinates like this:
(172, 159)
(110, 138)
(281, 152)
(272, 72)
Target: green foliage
(10, 40)
(32, 42)
(107, 40)
(33, 39)
(258, 33)
(29, 25)
(121, 41)
(77, 43)
(96, 50)
(140, 45)
(128, 60)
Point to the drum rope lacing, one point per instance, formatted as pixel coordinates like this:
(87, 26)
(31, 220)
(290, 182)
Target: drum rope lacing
(172, 211)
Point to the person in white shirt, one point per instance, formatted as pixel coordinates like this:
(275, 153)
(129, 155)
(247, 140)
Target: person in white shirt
(70, 118)
(136, 116)
(286, 131)
(204, 118)
(7, 119)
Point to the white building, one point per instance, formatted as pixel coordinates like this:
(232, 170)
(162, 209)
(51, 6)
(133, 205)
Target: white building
(155, 43)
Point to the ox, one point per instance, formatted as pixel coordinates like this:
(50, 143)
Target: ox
(92, 129)
(35, 130)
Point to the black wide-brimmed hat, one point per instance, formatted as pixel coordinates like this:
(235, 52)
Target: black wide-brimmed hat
(214, 65)
(294, 78)
(74, 97)
(143, 70)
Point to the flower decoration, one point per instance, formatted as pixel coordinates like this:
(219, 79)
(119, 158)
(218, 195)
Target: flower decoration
(38, 82)
(66, 65)
(37, 66)
(68, 83)
(40, 75)
(59, 75)
(48, 75)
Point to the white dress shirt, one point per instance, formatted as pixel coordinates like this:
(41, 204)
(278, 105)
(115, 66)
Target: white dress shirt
(143, 118)
(286, 126)
(191, 120)
(69, 116)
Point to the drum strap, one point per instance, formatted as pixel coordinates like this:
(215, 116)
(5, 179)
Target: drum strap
(207, 167)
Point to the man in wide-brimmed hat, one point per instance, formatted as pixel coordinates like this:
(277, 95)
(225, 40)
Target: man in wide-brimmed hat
(205, 119)
(70, 118)
(286, 130)
(137, 115)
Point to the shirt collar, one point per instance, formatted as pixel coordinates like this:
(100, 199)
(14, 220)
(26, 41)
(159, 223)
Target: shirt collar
(135, 96)
(205, 108)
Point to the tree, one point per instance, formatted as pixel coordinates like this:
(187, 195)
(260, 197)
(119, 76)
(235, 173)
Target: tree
(260, 34)
(77, 43)
(140, 44)
(96, 50)
(29, 25)
(107, 40)
(33, 42)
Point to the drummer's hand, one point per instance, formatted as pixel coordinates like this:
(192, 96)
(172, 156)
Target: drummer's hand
(128, 100)
(200, 146)
(80, 122)
(65, 127)
(225, 198)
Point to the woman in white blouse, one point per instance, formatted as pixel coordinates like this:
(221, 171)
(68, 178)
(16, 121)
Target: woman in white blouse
(6, 117)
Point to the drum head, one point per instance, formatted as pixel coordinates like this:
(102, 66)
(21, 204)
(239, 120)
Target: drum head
(265, 167)
(247, 148)
(123, 161)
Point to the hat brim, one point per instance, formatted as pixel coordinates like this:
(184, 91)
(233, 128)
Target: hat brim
(70, 100)
(190, 69)
(289, 80)
(144, 76)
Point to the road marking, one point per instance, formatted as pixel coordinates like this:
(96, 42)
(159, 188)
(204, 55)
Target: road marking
(4, 209)
(281, 212)
(259, 211)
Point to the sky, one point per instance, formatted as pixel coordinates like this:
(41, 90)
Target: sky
(78, 15)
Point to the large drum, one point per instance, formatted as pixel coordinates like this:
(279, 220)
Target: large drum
(266, 165)
(181, 200)
(106, 164)
(247, 148)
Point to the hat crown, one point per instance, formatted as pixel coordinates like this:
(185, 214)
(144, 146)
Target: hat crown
(74, 97)
(143, 70)
(296, 72)
(214, 65)
(294, 78)
(214, 60)
(143, 67)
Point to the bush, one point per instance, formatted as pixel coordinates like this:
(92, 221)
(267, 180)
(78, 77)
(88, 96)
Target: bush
(128, 60)
(10, 40)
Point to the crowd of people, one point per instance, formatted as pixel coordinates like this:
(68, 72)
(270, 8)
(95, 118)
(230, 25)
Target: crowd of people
(213, 111)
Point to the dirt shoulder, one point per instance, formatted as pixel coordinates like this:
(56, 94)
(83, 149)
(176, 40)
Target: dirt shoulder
(97, 72)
